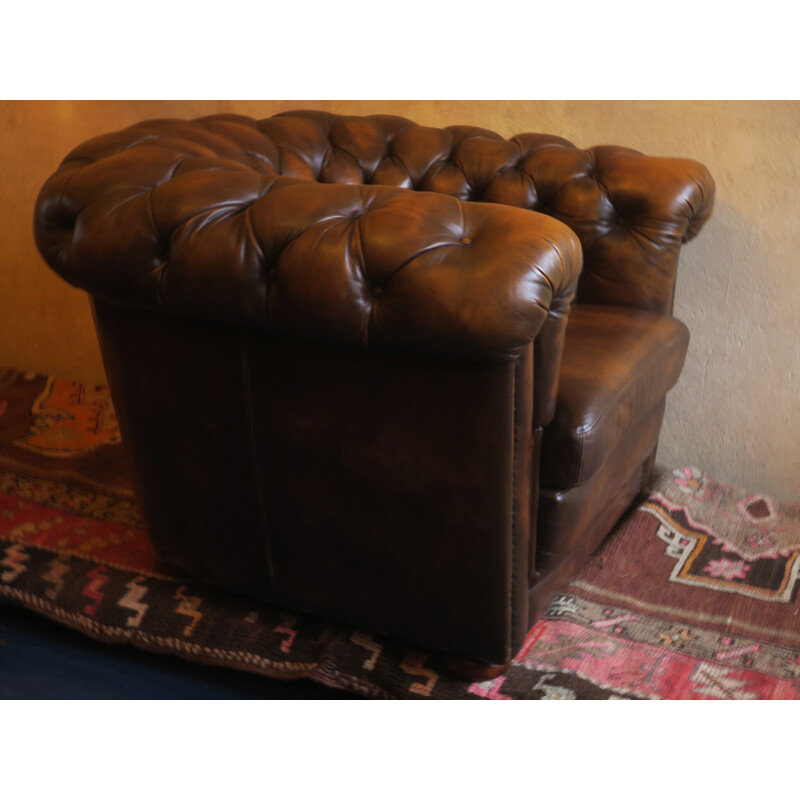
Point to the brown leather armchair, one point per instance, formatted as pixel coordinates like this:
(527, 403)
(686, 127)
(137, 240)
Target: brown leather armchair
(347, 365)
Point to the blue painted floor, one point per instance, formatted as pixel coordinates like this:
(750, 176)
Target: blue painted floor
(40, 660)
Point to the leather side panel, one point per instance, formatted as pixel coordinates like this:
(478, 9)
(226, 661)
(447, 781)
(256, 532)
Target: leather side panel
(179, 396)
(387, 489)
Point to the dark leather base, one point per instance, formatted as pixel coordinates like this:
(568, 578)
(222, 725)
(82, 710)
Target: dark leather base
(555, 580)
(565, 517)
(387, 492)
(547, 588)
(573, 524)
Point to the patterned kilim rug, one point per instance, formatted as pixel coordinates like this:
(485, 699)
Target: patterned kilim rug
(695, 596)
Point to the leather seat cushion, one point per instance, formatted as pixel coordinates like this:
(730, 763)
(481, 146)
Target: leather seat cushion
(618, 363)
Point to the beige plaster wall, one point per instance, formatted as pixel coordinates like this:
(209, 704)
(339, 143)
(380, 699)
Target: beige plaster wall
(736, 409)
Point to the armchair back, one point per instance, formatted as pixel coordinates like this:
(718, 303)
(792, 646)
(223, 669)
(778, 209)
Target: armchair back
(631, 212)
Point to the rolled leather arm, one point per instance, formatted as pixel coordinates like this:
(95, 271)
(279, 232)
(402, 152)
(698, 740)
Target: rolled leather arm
(217, 237)
(646, 208)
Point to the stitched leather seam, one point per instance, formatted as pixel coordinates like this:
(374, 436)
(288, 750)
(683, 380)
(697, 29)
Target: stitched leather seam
(248, 410)
(514, 449)
(533, 503)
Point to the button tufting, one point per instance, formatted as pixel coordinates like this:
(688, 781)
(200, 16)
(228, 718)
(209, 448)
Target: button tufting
(377, 291)
(272, 274)
(466, 240)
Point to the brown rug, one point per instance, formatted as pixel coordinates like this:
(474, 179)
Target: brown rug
(694, 596)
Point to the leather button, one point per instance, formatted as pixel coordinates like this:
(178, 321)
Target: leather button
(377, 291)
(466, 240)
(272, 274)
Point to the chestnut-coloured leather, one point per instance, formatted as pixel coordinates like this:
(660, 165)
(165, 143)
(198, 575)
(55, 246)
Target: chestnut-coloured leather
(630, 211)
(322, 262)
(585, 513)
(618, 363)
(613, 494)
(342, 350)
(172, 216)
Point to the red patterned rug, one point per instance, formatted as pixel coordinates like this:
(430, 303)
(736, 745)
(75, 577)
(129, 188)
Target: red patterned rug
(695, 596)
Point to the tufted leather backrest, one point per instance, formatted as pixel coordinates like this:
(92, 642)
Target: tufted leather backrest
(631, 212)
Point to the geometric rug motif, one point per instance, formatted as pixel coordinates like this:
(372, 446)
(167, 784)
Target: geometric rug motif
(704, 559)
(693, 596)
(62, 430)
(756, 554)
(70, 418)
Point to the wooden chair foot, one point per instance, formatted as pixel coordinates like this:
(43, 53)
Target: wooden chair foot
(475, 671)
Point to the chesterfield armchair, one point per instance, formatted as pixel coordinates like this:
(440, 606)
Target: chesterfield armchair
(400, 377)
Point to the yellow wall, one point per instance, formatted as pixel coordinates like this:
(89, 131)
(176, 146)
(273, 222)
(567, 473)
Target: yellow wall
(736, 409)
